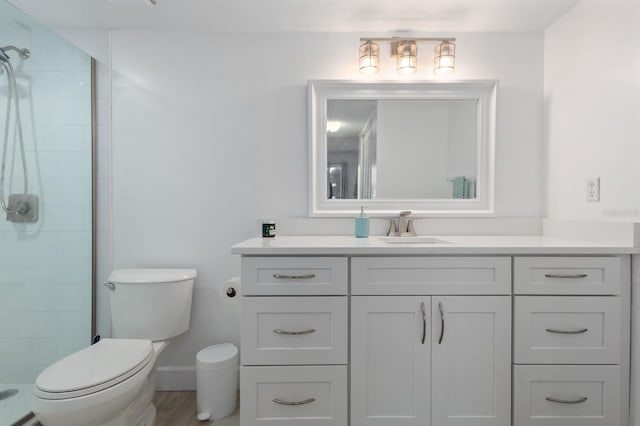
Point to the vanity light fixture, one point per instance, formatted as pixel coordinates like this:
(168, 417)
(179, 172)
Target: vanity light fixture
(405, 52)
(406, 57)
(369, 57)
(445, 58)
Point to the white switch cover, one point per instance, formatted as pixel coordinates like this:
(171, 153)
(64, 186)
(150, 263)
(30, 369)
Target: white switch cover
(593, 190)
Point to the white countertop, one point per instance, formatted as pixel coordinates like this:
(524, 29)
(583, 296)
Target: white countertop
(455, 244)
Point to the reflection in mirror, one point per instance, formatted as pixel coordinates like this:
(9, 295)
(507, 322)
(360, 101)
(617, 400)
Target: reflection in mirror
(402, 149)
(423, 146)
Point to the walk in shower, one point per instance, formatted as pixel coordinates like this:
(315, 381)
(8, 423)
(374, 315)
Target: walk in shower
(46, 224)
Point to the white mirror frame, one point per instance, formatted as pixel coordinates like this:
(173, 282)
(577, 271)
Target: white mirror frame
(320, 91)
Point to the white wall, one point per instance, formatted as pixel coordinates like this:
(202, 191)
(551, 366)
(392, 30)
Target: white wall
(210, 134)
(462, 150)
(411, 145)
(592, 110)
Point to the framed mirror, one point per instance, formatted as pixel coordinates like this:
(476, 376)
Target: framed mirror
(427, 147)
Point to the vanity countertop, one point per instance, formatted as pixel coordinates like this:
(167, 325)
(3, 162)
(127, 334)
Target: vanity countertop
(455, 244)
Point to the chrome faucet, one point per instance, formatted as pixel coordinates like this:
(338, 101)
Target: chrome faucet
(404, 228)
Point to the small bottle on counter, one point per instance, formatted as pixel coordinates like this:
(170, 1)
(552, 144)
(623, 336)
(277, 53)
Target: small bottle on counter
(268, 229)
(362, 225)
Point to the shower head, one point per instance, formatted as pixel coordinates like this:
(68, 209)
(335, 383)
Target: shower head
(23, 53)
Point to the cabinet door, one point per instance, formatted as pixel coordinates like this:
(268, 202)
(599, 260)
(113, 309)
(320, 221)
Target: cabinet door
(471, 369)
(390, 360)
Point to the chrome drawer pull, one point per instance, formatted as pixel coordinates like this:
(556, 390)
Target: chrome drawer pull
(553, 330)
(281, 402)
(441, 308)
(294, 333)
(565, 401)
(294, 277)
(424, 322)
(566, 275)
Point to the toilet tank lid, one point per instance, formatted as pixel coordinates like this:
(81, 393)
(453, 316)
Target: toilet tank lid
(151, 275)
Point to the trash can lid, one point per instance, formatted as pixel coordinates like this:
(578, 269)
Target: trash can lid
(217, 356)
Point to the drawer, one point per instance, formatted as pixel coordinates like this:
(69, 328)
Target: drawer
(293, 396)
(269, 276)
(294, 330)
(567, 275)
(567, 330)
(430, 275)
(562, 395)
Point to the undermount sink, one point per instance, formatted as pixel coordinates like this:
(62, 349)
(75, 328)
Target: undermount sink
(412, 240)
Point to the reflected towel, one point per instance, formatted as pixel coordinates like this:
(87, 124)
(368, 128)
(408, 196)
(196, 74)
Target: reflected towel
(460, 187)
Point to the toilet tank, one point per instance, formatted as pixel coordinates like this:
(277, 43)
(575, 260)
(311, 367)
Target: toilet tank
(150, 304)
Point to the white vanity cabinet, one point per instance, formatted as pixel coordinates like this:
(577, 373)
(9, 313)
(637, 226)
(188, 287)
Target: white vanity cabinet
(339, 331)
(430, 360)
(431, 341)
(571, 341)
(294, 341)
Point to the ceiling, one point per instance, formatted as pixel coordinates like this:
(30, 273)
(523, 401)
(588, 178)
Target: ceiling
(301, 15)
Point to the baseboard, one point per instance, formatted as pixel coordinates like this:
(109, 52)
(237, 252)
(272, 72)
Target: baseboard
(176, 378)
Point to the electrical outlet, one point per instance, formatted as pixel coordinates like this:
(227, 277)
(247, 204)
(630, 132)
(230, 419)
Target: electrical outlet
(593, 190)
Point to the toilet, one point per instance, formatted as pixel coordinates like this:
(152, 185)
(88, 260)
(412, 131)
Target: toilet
(111, 383)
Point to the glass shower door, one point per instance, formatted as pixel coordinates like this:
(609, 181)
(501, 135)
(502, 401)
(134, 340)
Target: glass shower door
(46, 264)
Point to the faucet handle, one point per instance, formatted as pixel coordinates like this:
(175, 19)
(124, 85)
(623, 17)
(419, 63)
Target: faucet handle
(410, 228)
(392, 227)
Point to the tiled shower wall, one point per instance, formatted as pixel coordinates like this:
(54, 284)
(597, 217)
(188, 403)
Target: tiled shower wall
(45, 268)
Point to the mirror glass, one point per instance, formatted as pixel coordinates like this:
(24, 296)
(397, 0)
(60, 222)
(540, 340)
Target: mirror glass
(420, 146)
(401, 148)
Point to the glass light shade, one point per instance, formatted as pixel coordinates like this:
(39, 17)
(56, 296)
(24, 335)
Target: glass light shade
(407, 57)
(333, 126)
(445, 58)
(369, 58)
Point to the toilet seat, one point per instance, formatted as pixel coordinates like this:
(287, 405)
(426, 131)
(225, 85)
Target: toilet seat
(90, 370)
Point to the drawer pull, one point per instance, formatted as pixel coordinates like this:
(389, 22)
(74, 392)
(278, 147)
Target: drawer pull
(553, 330)
(281, 402)
(294, 333)
(424, 322)
(566, 401)
(566, 275)
(294, 277)
(441, 322)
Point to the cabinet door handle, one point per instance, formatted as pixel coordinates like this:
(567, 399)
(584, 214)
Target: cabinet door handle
(281, 402)
(566, 401)
(294, 333)
(566, 275)
(441, 308)
(294, 277)
(424, 322)
(554, 330)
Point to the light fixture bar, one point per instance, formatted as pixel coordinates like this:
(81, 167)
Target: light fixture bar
(449, 39)
(405, 52)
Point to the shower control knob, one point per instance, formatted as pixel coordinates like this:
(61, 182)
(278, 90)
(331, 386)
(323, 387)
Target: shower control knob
(23, 208)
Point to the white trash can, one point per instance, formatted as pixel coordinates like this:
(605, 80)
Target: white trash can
(216, 381)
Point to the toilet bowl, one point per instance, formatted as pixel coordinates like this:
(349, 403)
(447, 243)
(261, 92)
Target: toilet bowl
(111, 383)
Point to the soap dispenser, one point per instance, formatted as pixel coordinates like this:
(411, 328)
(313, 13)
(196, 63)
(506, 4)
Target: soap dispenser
(362, 225)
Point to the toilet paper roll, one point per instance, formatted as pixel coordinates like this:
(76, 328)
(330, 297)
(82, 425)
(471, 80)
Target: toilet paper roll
(230, 291)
